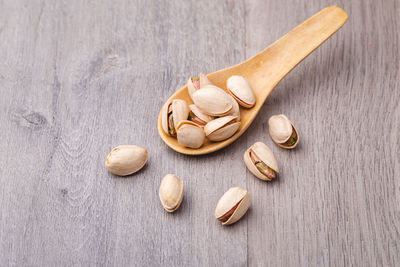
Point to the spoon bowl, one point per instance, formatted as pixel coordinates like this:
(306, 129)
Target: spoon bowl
(264, 71)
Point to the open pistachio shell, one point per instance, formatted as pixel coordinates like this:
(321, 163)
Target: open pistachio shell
(171, 192)
(127, 159)
(198, 117)
(221, 128)
(235, 109)
(195, 83)
(189, 134)
(240, 89)
(232, 205)
(212, 101)
(265, 166)
(173, 113)
(283, 132)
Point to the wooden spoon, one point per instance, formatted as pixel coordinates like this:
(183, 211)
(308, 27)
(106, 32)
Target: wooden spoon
(265, 70)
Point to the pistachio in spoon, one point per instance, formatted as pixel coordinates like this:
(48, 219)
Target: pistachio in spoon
(174, 112)
(235, 111)
(198, 117)
(239, 88)
(195, 83)
(212, 101)
(190, 134)
(221, 128)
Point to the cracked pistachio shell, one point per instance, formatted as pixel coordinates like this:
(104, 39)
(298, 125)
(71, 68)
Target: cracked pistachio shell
(127, 159)
(200, 115)
(189, 134)
(232, 205)
(240, 89)
(180, 112)
(203, 81)
(264, 153)
(171, 192)
(235, 109)
(221, 128)
(281, 129)
(212, 101)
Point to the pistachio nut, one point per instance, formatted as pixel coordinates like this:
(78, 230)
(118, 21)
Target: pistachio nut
(195, 83)
(232, 205)
(261, 161)
(221, 128)
(235, 111)
(197, 116)
(283, 132)
(173, 113)
(212, 101)
(126, 159)
(171, 192)
(190, 134)
(240, 89)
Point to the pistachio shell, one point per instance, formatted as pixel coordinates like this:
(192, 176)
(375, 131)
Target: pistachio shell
(265, 154)
(189, 134)
(221, 128)
(126, 159)
(232, 205)
(192, 87)
(171, 192)
(212, 101)
(180, 112)
(240, 89)
(235, 111)
(281, 129)
(202, 81)
(164, 118)
(204, 118)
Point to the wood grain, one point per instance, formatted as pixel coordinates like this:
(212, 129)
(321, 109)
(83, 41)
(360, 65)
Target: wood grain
(80, 77)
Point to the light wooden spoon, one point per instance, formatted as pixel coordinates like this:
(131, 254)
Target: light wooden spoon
(265, 70)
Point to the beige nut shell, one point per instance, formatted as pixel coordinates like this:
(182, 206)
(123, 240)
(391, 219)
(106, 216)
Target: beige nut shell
(265, 154)
(189, 134)
(240, 89)
(171, 192)
(201, 115)
(180, 112)
(216, 130)
(280, 130)
(126, 159)
(204, 81)
(229, 200)
(235, 111)
(212, 101)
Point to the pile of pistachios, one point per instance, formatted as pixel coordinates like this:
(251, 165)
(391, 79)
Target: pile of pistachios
(215, 114)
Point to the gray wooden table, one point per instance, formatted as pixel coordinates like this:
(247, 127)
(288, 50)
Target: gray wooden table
(80, 77)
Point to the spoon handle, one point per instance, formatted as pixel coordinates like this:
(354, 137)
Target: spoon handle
(271, 65)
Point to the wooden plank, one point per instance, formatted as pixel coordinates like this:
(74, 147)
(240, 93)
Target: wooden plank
(78, 78)
(97, 74)
(334, 203)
